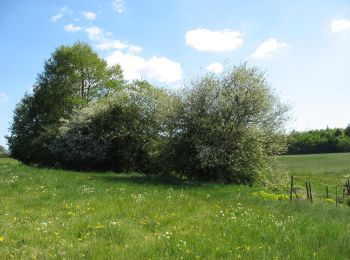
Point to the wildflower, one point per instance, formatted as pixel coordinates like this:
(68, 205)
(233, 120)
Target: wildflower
(99, 226)
(1, 238)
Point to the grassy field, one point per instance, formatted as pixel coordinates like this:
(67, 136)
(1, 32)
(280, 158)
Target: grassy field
(321, 170)
(46, 213)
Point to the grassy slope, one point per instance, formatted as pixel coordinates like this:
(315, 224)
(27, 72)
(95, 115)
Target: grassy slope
(59, 214)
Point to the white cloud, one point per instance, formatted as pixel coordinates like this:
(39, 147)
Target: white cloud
(94, 33)
(107, 45)
(340, 25)
(72, 28)
(267, 47)
(56, 17)
(3, 98)
(215, 41)
(134, 48)
(159, 68)
(64, 10)
(132, 65)
(163, 70)
(89, 15)
(215, 67)
(119, 6)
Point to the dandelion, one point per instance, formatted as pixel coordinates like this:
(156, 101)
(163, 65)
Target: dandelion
(2, 238)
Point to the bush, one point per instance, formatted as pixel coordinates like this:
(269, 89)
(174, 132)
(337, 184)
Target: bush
(121, 132)
(227, 127)
(3, 153)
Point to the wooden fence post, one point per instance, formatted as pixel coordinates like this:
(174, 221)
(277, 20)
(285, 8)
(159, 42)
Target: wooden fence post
(336, 196)
(310, 191)
(291, 189)
(307, 191)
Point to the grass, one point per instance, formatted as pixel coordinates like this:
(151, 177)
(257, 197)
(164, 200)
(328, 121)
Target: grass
(54, 214)
(321, 170)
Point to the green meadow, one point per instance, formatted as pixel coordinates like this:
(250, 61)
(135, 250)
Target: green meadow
(56, 214)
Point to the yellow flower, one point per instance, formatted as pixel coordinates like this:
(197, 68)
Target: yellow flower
(1, 238)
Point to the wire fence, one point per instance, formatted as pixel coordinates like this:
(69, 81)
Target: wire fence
(339, 189)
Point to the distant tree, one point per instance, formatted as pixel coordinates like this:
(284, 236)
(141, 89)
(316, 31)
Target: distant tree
(319, 141)
(347, 131)
(2, 152)
(226, 127)
(72, 77)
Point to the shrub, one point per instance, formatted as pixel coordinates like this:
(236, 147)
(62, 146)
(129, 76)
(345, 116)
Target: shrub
(121, 132)
(226, 127)
(3, 153)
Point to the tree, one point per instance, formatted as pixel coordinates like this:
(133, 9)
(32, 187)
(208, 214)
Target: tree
(227, 127)
(3, 152)
(72, 77)
(123, 131)
(347, 131)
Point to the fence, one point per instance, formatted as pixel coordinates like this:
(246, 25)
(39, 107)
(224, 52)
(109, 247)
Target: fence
(310, 195)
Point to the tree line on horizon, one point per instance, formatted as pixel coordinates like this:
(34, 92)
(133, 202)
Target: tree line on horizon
(84, 115)
(328, 140)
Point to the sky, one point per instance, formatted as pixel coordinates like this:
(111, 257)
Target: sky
(302, 46)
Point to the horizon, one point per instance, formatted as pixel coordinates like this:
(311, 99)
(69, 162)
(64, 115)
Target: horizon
(303, 47)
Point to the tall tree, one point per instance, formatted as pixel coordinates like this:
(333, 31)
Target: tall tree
(72, 77)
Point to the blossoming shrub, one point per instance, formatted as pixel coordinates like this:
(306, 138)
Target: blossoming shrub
(121, 132)
(227, 127)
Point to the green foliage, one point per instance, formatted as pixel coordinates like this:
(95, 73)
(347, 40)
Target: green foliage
(72, 77)
(120, 132)
(270, 196)
(3, 153)
(227, 127)
(83, 115)
(319, 141)
(347, 131)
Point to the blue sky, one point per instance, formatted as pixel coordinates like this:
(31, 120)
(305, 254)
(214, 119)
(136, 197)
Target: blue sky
(302, 45)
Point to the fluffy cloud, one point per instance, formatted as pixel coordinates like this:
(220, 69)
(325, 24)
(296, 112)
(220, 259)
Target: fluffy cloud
(340, 25)
(118, 6)
(105, 43)
(89, 15)
(64, 10)
(132, 65)
(72, 28)
(134, 48)
(215, 67)
(158, 68)
(163, 70)
(267, 47)
(3, 98)
(95, 33)
(215, 41)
